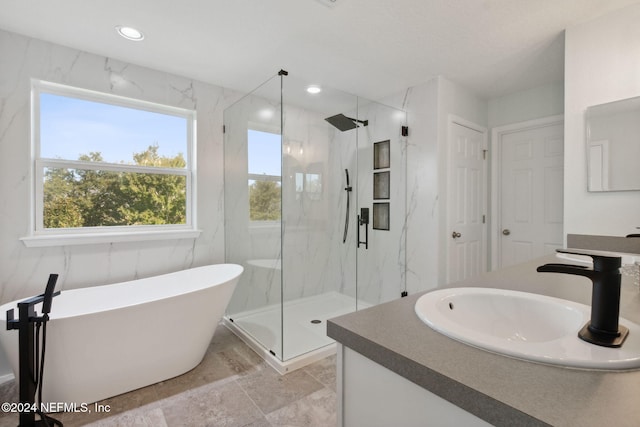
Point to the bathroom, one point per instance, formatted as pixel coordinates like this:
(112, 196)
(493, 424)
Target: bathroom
(429, 103)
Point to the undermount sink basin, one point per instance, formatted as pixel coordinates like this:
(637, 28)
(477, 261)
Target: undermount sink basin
(524, 325)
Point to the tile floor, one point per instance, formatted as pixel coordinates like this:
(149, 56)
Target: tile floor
(231, 387)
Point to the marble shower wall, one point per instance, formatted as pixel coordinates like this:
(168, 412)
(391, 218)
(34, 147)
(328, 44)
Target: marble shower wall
(24, 271)
(382, 268)
(312, 238)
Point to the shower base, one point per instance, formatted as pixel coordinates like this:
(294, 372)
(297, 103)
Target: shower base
(304, 329)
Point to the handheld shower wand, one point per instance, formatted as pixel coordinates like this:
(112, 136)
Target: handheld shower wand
(348, 189)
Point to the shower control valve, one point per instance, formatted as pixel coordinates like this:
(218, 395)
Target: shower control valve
(364, 216)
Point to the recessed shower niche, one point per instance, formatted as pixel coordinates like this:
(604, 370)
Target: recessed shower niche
(298, 169)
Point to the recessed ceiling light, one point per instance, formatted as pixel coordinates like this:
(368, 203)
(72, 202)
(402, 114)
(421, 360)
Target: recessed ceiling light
(314, 89)
(130, 33)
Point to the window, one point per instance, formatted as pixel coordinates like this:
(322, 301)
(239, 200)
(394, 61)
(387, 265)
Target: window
(265, 176)
(105, 164)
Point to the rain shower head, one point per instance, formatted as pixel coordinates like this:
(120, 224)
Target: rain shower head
(342, 122)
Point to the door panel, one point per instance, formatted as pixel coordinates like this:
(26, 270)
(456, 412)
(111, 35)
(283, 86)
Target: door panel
(466, 228)
(531, 193)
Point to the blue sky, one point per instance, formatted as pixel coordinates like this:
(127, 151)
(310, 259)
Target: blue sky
(264, 153)
(70, 127)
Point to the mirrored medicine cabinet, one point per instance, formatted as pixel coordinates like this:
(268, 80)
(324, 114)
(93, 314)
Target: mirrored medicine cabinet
(613, 145)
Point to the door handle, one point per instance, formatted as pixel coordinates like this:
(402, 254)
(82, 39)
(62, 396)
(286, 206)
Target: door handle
(363, 219)
(455, 235)
(506, 232)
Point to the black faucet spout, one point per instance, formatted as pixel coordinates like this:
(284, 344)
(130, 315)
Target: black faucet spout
(578, 270)
(603, 328)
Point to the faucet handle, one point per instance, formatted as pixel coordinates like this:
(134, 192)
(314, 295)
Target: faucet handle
(602, 260)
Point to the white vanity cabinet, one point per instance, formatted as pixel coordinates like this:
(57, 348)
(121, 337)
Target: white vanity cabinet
(371, 395)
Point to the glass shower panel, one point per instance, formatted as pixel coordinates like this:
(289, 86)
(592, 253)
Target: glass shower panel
(381, 263)
(253, 213)
(299, 169)
(318, 268)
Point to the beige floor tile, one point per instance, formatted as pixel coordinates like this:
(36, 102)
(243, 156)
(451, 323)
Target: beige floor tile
(324, 370)
(271, 391)
(316, 410)
(136, 418)
(223, 405)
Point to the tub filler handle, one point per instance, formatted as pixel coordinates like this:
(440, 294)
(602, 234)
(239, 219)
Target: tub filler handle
(31, 364)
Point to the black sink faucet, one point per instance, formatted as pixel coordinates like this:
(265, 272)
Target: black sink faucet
(603, 328)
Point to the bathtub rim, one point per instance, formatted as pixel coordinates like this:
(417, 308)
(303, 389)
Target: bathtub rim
(235, 270)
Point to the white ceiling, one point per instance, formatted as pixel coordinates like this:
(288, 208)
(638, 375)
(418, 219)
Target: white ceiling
(372, 48)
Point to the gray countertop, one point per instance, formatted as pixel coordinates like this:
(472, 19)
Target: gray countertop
(499, 389)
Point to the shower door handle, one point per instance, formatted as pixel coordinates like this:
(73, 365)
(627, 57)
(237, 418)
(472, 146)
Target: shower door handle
(363, 219)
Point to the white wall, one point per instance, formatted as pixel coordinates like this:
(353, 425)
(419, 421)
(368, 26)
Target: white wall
(24, 271)
(530, 104)
(602, 64)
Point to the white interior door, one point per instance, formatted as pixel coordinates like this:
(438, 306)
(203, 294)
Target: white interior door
(467, 251)
(531, 193)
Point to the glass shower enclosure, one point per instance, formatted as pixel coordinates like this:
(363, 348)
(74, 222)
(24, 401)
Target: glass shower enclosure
(315, 211)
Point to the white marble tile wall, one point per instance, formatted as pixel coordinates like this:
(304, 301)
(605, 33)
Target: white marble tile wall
(24, 271)
(382, 267)
(423, 198)
(342, 155)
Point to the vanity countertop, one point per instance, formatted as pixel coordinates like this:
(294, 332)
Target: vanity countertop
(499, 389)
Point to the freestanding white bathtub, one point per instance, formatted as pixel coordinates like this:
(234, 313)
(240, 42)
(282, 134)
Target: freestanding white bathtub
(106, 340)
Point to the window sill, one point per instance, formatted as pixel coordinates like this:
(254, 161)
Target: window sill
(40, 241)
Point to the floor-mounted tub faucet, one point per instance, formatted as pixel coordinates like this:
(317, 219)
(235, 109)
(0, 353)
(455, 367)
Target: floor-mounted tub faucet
(603, 328)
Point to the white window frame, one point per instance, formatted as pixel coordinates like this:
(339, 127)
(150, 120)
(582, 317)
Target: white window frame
(40, 236)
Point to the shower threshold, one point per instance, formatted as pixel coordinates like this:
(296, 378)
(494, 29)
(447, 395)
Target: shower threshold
(304, 329)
